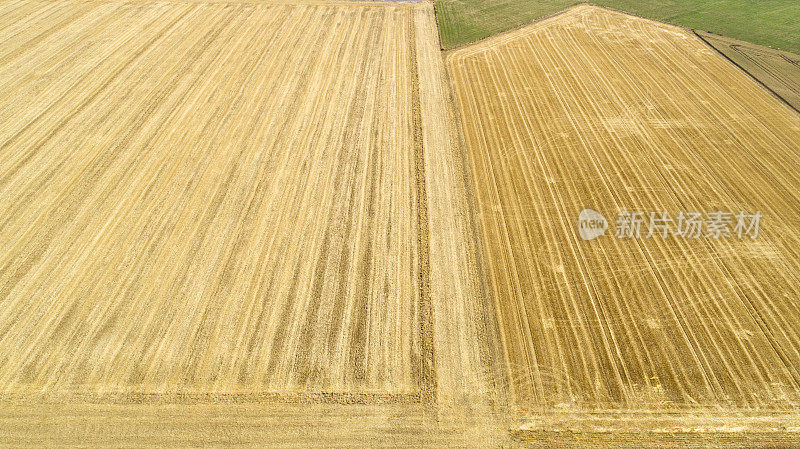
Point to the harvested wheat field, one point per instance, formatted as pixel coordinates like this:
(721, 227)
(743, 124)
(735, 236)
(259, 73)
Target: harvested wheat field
(213, 203)
(778, 70)
(155, 193)
(601, 110)
(280, 223)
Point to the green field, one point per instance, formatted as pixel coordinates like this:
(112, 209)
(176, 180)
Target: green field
(774, 23)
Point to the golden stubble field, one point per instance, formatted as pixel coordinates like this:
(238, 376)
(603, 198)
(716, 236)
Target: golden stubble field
(186, 209)
(596, 109)
(238, 223)
(254, 211)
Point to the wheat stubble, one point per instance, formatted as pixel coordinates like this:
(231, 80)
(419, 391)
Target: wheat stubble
(596, 109)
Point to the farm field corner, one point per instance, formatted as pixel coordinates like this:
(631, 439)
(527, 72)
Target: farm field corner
(597, 109)
(778, 70)
(773, 23)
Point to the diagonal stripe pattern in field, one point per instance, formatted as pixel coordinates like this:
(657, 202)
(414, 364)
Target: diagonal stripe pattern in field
(597, 109)
(211, 198)
(778, 70)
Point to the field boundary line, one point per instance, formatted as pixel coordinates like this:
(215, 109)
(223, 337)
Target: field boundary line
(212, 398)
(753, 77)
(693, 32)
(520, 30)
(516, 29)
(486, 42)
(509, 33)
(438, 28)
(736, 421)
(571, 9)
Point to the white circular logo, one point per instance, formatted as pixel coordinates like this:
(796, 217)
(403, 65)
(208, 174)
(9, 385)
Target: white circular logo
(591, 224)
